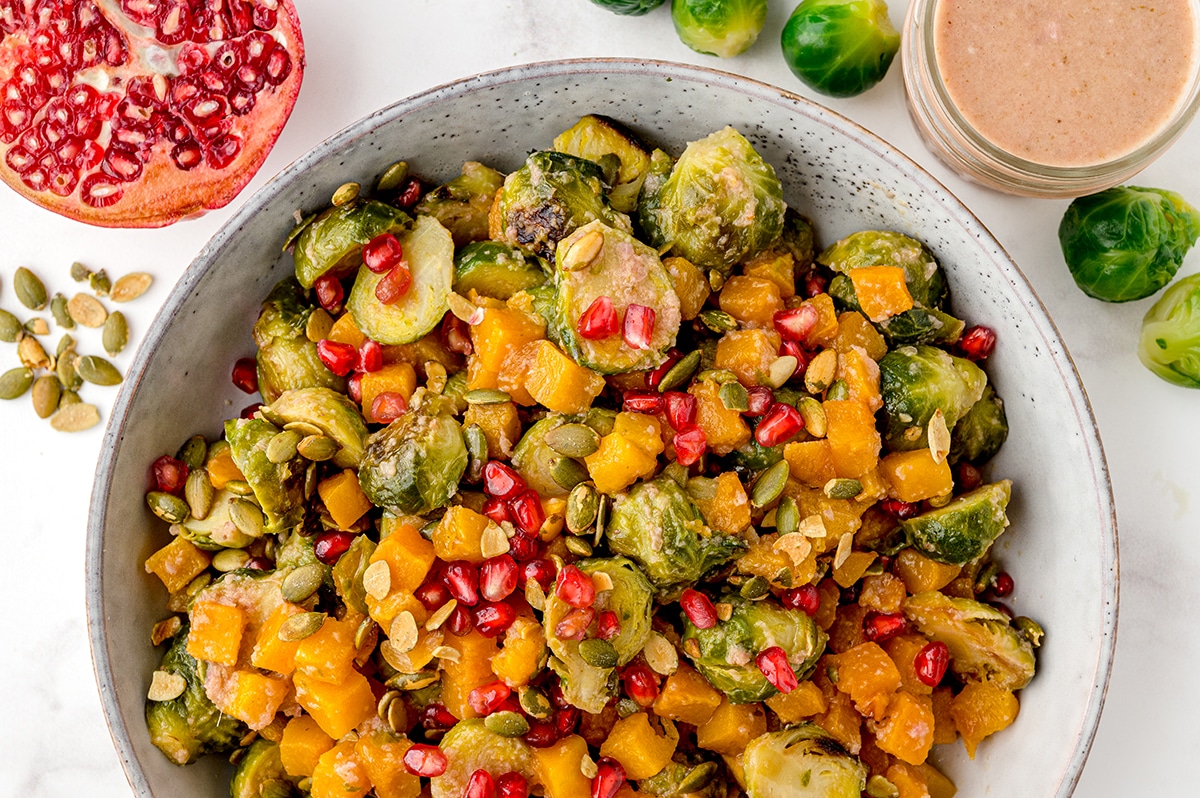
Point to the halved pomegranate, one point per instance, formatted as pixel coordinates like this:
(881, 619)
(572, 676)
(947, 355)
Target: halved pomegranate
(138, 113)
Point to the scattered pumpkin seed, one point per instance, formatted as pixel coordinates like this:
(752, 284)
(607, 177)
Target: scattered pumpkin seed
(477, 451)
(691, 647)
(377, 580)
(755, 588)
(734, 396)
(310, 481)
(464, 309)
(506, 723)
(660, 655)
(15, 382)
(304, 428)
(403, 632)
(770, 484)
(116, 333)
(440, 615)
(567, 472)
(167, 506)
(844, 548)
(718, 320)
(317, 448)
(698, 778)
(166, 686)
(32, 354)
(840, 389)
(130, 286)
(841, 488)
(366, 635)
(248, 517)
(98, 371)
(283, 446)
(10, 327)
(787, 516)
(392, 177)
(239, 487)
(678, 374)
(302, 583)
(486, 396)
(724, 610)
(65, 344)
(535, 703)
(396, 718)
(37, 326)
(31, 291)
(301, 625)
(820, 372)
(58, 309)
(716, 280)
(302, 223)
(346, 193)
(578, 546)
(68, 378)
(435, 377)
(85, 309)
(534, 595)
(227, 560)
(601, 519)
(318, 326)
(79, 272)
(573, 440)
(582, 505)
(165, 629)
(198, 492)
(1029, 629)
(588, 767)
(449, 653)
(412, 681)
(46, 393)
(940, 501)
(74, 416)
(99, 282)
(627, 707)
(880, 787)
(813, 414)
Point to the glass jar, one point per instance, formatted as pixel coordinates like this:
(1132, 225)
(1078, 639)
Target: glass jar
(942, 117)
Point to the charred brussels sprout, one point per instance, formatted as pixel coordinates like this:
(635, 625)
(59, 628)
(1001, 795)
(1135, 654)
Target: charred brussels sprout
(335, 414)
(633, 8)
(727, 650)
(286, 358)
(980, 433)
(190, 726)
(260, 773)
(983, 643)
(720, 204)
(278, 487)
(917, 380)
(469, 746)
(332, 243)
(462, 205)
(802, 762)
(414, 465)
(656, 525)
(548, 198)
(596, 137)
(723, 28)
(840, 47)
(490, 268)
(964, 529)
(1127, 242)
(1170, 340)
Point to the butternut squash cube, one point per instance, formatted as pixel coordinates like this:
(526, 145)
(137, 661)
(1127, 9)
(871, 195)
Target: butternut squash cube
(687, 696)
(731, 727)
(345, 331)
(920, 573)
(909, 780)
(523, 654)
(511, 377)
(328, 654)
(339, 774)
(473, 669)
(748, 354)
(810, 462)
(409, 556)
(803, 703)
(853, 568)
(558, 766)
(981, 710)
(337, 708)
(177, 564)
(256, 698)
(729, 510)
(939, 785)
(343, 498)
(690, 284)
(503, 331)
(216, 632)
(560, 384)
(640, 749)
(915, 476)
(860, 374)
(854, 443)
(381, 754)
(842, 721)
(854, 330)
(643, 430)
(777, 266)
(724, 429)
(944, 730)
(222, 470)
(398, 378)
(867, 674)
(751, 300)
(500, 424)
(826, 328)
(881, 291)
(623, 458)
(270, 653)
(459, 534)
(480, 377)
(302, 745)
(906, 731)
(384, 611)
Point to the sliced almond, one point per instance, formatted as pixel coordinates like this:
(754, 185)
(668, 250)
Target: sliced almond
(377, 580)
(403, 632)
(493, 542)
(939, 436)
(660, 655)
(166, 686)
(794, 546)
(845, 546)
(602, 581)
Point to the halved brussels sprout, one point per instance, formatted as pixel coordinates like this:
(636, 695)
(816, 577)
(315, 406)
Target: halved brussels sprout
(469, 746)
(260, 773)
(462, 205)
(278, 487)
(694, 778)
(964, 529)
(414, 464)
(490, 268)
(286, 358)
(335, 414)
(595, 136)
(1169, 344)
(913, 326)
(802, 762)
(724, 29)
(917, 380)
(980, 433)
(332, 243)
(983, 644)
(727, 650)
(924, 277)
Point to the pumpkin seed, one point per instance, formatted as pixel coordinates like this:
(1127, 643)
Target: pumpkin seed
(678, 374)
(98, 371)
(413, 681)
(67, 376)
(302, 583)
(506, 723)
(755, 588)
(99, 283)
(37, 326)
(68, 398)
(486, 396)
(79, 272)
(567, 472)
(534, 595)
(573, 440)
(477, 451)
(396, 718)
(15, 382)
(582, 505)
(116, 333)
(167, 506)
(403, 632)
(301, 625)
(716, 281)
(493, 542)
(166, 686)
(46, 393)
(32, 354)
(627, 707)
(880, 787)
(85, 309)
(239, 487)
(578, 546)
(318, 325)
(1029, 629)
(304, 428)
(781, 370)
(198, 492)
(366, 635)
(346, 193)
(842, 488)
(820, 372)
(392, 177)
(228, 560)
(464, 309)
(165, 629)
(813, 414)
(248, 517)
(601, 518)
(435, 379)
(660, 655)
(588, 767)
(598, 653)
(310, 481)
(837, 391)
(302, 223)
(787, 516)
(770, 484)
(193, 452)
(74, 416)
(698, 778)
(717, 320)
(130, 286)
(317, 448)
(65, 344)
(10, 327)
(377, 580)
(734, 396)
(282, 446)
(440, 615)
(58, 309)
(31, 291)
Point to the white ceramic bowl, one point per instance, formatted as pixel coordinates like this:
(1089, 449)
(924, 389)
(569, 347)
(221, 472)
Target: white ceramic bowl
(1061, 547)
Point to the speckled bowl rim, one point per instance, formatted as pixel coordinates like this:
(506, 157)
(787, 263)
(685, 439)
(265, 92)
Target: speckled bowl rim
(758, 90)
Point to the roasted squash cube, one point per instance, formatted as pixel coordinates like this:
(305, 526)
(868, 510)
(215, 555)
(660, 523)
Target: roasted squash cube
(409, 555)
(867, 674)
(398, 378)
(503, 331)
(981, 710)
(343, 498)
(459, 535)
(302, 745)
(328, 654)
(501, 426)
(216, 632)
(558, 767)
(854, 443)
(177, 564)
(751, 300)
(748, 354)
(382, 756)
(906, 731)
(803, 703)
(724, 429)
(638, 746)
(473, 669)
(915, 476)
(256, 698)
(810, 462)
(825, 330)
(560, 384)
(337, 708)
(881, 291)
(270, 653)
(339, 774)
(731, 727)
(687, 696)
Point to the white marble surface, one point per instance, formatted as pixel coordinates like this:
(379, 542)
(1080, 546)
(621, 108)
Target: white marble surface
(368, 53)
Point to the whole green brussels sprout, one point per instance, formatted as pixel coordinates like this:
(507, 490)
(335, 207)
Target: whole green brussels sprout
(723, 28)
(1170, 340)
(633, 8)
(414, 464)
(802, 762)
(840, 47)
(1127, 242)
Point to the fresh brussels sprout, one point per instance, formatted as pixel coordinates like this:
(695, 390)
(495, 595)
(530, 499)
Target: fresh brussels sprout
(462, 205)
(335, 414)
(332, 243)
(260, 773)
(657, 525)
(627, 272)
(840, 47)
(286, 358)
(548, 198)
(469, 746)
(964, 529)
(1127, 242)
(187, 727)
(720, 204)
(917, 380)
(1170, 340)
(217, 529)
(541, 467)
(802, 762)
(595, 137)
(429, 251)
(983, 643)
(414, 465)
(490, 268)
(278, 487)
(723, 28)
(980, 433)
(727, 650)
(634, 8)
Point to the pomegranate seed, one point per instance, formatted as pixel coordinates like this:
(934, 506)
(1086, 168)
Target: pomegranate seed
(260, 564)
(610, 777)
(1002, 584)
(432, 595)
(608, 625)
(487, 698)
(435, 717)
(512, 785)
(330, 293)
(523, 547)
(575, 587)
(501, 480)
(382, 252)
(496, 510)
(498, 577)
(902, 511)
(699, 608)
(977, 342)
(759, 401)
(249, 410)
(332, 545)
(462, 578)
(795, 324)
(388, 406)
(640, 684)
(969, 477)
(690, 445)
(880, 626)
(338, 357)
(574, 624)
(565, 720)
(409, 194)
(805, 597)
(460, 622)
(931, 662)
(654, 377)
(815, 282)
(780, 423)
(599, 321)
(642, 402)
(394, 284)
(541, 571)
(638, 328)
(480, 785)
(170, 475)
(680, 409)
(773, 663)
(541, 734)
(354, 387)
(527, 512)
(456, 334)
(245, 375)
(370, 356)
(493, 617)
(425, 760)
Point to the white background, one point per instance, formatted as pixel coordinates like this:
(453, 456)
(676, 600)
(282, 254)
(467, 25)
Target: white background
(363, 54)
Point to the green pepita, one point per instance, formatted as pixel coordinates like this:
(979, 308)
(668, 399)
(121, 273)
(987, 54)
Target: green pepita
(598, 653)
(396, 718)
(1029, 629)
(194, 452)
(37, 326)
(228, 560)
(477, 451)
(770, 484)
(677, 472)
(366, 633)
(85, 309)
(413, 681)
(302, 223)
(702, 488)
(698, 778)
(130, 286)
(754, 588)
(32, 354)
(601, 421)
(317, 448)
(283, 446)
(301, 625)
(567, 472)
(506, 724)
(68, 377)
(310, 481)
(318, 325)
(58, 308)
(10, 327)
(247, 517)
(302, 583)
(535, 703)
(99, 283)
(304, 428)
(719, 376)
(15, 382)
(166, 506)
(716, 281)
(573, 440)
(74, 416)
(46, 393)
(486, 396)
(578, 546)
(838, 390)
(31, 291)
(198, 491)
(734, 396)
(98, 371)
(79, 272)
(627, 707)
(436, 379)
(718, 320)
(166, 686)
(821, 372)
(346, 193)
(880, 787)
(842, 488)
(116, 333)
(813, 414)
(787, 516)
(68, 398)
(678, 374)
(65, 344)
(583, 503)
(392, 177)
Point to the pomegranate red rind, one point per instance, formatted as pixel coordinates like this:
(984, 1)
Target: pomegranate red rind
(138, 113)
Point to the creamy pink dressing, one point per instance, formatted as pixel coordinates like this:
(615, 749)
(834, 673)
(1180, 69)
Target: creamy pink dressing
(1066, 82)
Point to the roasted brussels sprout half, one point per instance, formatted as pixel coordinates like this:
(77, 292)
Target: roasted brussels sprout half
(634, 8)
(490, 268)
(915, 381)
(964, 529)
(335, 414)
(550, 197)
(190, 726)
(840, 47)
(1170, 339)
(278, 487)
(332, 243)
(286, 358)
(720, 204)
(260, 773)
(595, 137)
(462, 205)
(598, 262)
(657, 525)
(414, 464)
(1127, 242)
(727, 650)
(802, 762)
(980, 433)
(726, 28)
(983, 643)
(469, 746)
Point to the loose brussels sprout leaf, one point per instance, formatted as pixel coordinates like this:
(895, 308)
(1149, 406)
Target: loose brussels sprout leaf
(656, 525)
(217, 529)
(462, 205)
(753, 457)
(429, 251)
(916, 325)
(633, 8)
(335, 414)
(964, 529)
(723, 29)
(627, 272)
(286, 358)
(278, 487)
(840, 47)
(260, 773)
(490, 268)
(190, 726)
(980, 433)
(332, 243)
(348, 573)
(536, 462)
(917, 380)
(802, 762)
(983, 644)
(469, 746)
(721, 203)
(727, 650)
(1127, 242)
(651, 217)
(1170, 339)
(414, 465)
(595, 136)
(923, 276)
(548, 198)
